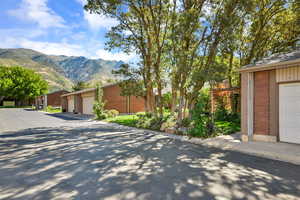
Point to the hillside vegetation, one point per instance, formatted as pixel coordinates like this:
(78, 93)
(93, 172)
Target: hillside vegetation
(60, 71)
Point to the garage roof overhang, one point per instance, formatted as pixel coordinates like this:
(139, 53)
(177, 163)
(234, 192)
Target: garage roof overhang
(79, 92)
(270, 66)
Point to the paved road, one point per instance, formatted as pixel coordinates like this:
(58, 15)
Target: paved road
(46, 157)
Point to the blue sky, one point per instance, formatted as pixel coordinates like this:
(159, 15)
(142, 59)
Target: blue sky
(58, 27)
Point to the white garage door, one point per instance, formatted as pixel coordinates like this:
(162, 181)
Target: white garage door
(289, 112)
(87, 104)
(71, 105)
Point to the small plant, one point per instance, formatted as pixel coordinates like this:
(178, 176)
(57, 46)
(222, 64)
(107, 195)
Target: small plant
(99, 110)
(226, 128)
(51, 109)
(99, 104)
(112, 113)
(149, 121)
(169, 123)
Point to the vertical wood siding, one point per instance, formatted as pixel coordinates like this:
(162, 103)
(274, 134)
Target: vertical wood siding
(288, 74)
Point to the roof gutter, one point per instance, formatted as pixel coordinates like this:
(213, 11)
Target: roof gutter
(278, 65)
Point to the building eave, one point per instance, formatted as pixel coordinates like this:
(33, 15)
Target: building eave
(264, 67)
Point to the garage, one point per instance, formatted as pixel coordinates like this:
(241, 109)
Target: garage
(71, 104)
(87, 105)
(289, 112)
(270, 98)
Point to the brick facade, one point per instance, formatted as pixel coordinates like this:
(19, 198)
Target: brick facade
(113, 100)
(261, 103)
(225, 95)
(54, 99)
(265, 105)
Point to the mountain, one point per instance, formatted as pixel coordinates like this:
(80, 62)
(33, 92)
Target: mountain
(61, 72)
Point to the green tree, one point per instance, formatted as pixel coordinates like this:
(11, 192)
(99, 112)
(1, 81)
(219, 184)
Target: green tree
(80, 85)
(20, 83)
(142, 28)
(130, 81)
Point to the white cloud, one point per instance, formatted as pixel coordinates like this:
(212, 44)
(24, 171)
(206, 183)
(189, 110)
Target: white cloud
(106, 55)
(52, 48)
(38, 12)
(97, 21)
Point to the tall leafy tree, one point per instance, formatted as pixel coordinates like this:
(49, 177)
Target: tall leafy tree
(142, 28)
(20, 83)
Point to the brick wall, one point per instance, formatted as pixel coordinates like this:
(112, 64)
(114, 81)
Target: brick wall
(137, 104)
(225, 95)
(261, 103)
(54, 99)
(111, 94)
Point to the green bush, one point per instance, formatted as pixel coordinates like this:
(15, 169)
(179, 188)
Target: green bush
(149, 121)
(201, 124)
(169, 123)
(112, 113)
(186, 122)
(99, 111)
(51, 109)
(140, 114)
(226, 128)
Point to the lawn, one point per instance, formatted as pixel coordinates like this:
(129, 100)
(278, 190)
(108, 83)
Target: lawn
(16, 107)
(51, 109)
(127, 120)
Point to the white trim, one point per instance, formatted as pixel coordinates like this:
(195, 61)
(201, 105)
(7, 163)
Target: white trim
(250, 102)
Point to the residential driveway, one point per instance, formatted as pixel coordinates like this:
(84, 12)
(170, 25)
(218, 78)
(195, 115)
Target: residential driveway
(53, 158)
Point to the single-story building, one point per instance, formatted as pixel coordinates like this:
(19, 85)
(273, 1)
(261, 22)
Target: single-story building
(270, 98)
(51, 99)
(82, 101)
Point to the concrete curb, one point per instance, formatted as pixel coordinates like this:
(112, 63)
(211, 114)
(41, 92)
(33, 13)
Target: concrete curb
(269, 150)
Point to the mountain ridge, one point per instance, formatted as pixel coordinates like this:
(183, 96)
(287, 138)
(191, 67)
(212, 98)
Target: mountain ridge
(60, 71)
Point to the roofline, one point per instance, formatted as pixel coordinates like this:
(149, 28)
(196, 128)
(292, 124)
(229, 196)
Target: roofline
(88, 89)
(111, 84)
(263, 67)
(58, 91)
(79, 92)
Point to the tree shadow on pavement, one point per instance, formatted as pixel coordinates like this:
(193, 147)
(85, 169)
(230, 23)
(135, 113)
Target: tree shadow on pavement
(104, 162)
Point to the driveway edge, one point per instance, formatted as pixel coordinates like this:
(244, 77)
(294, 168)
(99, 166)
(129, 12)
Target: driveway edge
(275, 151)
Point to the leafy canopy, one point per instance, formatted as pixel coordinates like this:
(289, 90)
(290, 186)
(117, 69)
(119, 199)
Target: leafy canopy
(20, 83)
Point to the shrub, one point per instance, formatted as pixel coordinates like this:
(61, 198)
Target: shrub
(148, 121)
(226, 128)
(169, 123)
(99, 111)
(186, 122)
(112, 113)
(140, 114)
(51, 109)
(202, 122)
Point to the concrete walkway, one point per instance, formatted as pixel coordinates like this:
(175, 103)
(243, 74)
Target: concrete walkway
(278, 151)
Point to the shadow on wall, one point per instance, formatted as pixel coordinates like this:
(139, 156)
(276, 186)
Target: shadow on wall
(99, 162)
